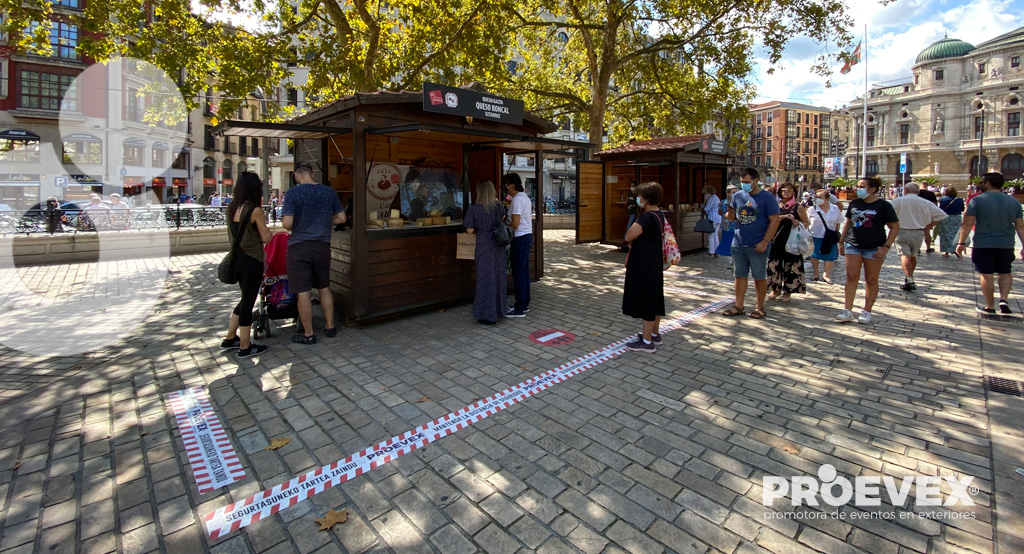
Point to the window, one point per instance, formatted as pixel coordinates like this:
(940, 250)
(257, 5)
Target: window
(815, 132)
(981, 68)
(905, 133)
(768, 146)
(757, 160)
(974, 166)
(797, 148)
(65, 3)
(63, 39)
(1014, 62)
(83, 151)
(209, 172)
(939, 74)
(815, 119)
(48, 91)
(243, 146)
(871, 168)
(757, 133)
(133, 108)
(13, 150)
(1013, 124)
(807, 119)
(815, 162)
(770, 119)
(208, 102)
(181, 161)
(768, 161)
(255, 148)
(815, 148)
(228, 145)
(757, 146)
(133, 155)
(208, 142)
(769, 133)
(293, 96)
(979, 127)
(917, 79)
(226, 167)
(871, 136)
(807, 146)
(158, 158)
(758, 119)
(1013, 166)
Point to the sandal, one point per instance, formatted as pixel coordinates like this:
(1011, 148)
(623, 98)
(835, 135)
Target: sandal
(735, 310)
(758, 313)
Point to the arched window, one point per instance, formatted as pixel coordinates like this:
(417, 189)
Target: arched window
(227, 169)
(1013, 166)
(974, 166)
(209, 172)
(242, 167)
(872, 168)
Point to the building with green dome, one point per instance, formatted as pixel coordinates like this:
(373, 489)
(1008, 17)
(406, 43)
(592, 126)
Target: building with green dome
(956, 92)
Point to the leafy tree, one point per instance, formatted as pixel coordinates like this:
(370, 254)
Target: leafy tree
(661, 66)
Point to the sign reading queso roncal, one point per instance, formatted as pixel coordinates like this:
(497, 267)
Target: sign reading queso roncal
(466, 102)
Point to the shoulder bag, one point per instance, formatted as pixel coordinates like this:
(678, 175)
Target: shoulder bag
(831, 237)
(704, 225)
(226, 268)
(503, 233)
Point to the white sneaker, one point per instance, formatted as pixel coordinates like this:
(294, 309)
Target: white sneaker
(844, 316)
(865, 317)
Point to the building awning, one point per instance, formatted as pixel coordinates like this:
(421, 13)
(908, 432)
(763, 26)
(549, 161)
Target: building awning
(81, 137)
(160, 146)
(137, 142)
(18, 134)
(264, 129)
(478, 136)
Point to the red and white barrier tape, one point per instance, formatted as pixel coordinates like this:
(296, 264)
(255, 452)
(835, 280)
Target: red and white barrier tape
(213, 459)
(264, 504)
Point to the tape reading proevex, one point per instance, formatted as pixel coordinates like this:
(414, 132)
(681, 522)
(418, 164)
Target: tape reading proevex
(264, 504)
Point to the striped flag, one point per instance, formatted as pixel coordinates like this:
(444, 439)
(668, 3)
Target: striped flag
(854, 60)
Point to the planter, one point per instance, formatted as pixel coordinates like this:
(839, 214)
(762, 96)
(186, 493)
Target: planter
(843, 195)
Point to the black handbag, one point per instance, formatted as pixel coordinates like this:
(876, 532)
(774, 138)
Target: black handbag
(831, 237)
(704, 225)
(503, 233)
(226, 268)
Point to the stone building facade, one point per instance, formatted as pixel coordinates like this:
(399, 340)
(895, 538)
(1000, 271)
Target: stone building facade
(960, 98)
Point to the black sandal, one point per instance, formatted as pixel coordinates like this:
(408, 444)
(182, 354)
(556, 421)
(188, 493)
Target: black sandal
(733, 311)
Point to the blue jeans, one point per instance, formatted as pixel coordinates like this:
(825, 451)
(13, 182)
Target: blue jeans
(521, 270)
(746, 260)
(632, 220)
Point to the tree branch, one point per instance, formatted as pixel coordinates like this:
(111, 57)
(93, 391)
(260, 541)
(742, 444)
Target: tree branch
(466, 20)
(667, 44)
(569, 98)
(313, 13)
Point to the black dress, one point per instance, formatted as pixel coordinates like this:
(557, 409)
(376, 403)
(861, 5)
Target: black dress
(785, 271)
(643, 296)
(489, 302)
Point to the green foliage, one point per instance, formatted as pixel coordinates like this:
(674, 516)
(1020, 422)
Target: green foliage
(843, 182)
(929, 181)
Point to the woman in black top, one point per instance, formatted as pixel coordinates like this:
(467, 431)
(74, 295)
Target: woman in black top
(864, 242)
(785, 270)
(643, 296)
(246, 200)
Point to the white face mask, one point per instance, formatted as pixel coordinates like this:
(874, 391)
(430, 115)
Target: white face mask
(821, 202)
(632, 189)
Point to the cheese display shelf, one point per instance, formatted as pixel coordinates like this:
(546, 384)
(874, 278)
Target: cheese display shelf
(407, 165)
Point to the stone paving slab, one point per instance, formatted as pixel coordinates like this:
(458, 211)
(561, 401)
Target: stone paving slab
(661, 452)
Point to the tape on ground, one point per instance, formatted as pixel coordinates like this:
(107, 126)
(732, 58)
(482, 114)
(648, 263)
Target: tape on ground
(264, 504)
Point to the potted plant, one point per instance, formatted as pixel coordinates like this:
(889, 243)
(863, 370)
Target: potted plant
(929, 180)
(1016, 188)
(844, 188)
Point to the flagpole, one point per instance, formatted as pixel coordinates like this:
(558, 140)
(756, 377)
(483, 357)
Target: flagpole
(864, 131)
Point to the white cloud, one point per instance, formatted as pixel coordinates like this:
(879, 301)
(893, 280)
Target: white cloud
(896, 35)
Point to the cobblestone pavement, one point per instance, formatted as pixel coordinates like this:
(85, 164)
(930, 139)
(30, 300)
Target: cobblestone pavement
(661, 452)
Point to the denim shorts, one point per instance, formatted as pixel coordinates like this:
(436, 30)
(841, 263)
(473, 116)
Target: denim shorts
(745, 259)
(852, 250)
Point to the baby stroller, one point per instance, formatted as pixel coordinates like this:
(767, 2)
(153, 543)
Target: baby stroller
(276, 301)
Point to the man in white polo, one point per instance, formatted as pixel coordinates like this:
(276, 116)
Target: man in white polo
(915, 214)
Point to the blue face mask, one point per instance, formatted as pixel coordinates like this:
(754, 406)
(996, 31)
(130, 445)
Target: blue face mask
(746, 187)
(862, 193)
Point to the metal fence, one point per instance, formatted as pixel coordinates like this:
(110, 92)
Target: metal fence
(188, 216)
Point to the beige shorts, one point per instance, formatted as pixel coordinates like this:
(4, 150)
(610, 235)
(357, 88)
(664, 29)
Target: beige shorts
(908, 242)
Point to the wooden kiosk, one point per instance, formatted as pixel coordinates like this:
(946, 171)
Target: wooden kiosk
(406, 164)
(683, 166)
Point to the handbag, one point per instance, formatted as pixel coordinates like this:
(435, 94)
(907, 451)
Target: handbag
(799, 242)
(669, 248)
(226, 268)
(503, 233)
(704, 225)
(831, 237)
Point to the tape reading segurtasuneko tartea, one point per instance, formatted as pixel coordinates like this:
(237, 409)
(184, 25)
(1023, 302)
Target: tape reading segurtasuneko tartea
(213, 459)
(264, 504)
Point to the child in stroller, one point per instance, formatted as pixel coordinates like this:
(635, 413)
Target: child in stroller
(276, 301)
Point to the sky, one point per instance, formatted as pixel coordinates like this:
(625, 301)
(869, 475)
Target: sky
(897, 33)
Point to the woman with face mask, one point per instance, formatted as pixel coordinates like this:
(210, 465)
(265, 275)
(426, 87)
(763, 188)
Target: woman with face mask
(864, 243)
(785, 270)
(728, 227)
(824, 215)
(712, 205)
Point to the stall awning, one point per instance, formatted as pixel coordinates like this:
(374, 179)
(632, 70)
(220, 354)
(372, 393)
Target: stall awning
(18, 134)
(478, 136)
(264, 129)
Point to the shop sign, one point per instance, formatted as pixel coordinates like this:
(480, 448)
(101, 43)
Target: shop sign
(19, 180)
(470, 103)
(85, 179)
(209, 182)
(175, 181)
(708, 145)
(381, 189)
(159, 181)
(228, 182)
(18, 134)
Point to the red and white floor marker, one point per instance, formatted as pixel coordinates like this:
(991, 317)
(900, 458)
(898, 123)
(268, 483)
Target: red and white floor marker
(264, 504)
(213, 459)
(552, 337)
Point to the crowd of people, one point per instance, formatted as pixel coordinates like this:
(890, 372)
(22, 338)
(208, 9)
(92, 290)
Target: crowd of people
(754, 225)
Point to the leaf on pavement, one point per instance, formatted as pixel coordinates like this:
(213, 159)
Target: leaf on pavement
(791, 449)
(278, 443)
(423, 399)
(331, 518)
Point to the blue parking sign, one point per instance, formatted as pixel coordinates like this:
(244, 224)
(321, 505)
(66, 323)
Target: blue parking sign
(60, 182)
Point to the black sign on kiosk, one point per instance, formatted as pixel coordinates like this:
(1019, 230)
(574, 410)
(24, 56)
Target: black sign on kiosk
(709, 145)
(470, 103)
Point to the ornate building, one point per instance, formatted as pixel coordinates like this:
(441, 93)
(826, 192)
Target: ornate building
(960, 98)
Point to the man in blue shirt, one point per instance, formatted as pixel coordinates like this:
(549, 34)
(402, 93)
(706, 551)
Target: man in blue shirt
(995, 217)
(310, 210)
(757, 212)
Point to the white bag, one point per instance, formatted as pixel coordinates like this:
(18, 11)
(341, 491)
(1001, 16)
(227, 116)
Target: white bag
(800, 242)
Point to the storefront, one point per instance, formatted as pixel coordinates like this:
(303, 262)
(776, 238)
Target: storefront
(209, 187)
(81, 187)
(179, 186)
(406, 165)
(20, 191)
(682, 165)
(19, 157)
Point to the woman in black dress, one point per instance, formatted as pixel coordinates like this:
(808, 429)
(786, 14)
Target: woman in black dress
(644, 296)
(491, 274)
(785, 270)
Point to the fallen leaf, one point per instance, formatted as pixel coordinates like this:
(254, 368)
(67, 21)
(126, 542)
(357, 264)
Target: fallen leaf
(383, 389)
(423, 399)
(331, 518)
(441, 311)
(278, 443)
(789, 448)
(15, 466)
(596, 334)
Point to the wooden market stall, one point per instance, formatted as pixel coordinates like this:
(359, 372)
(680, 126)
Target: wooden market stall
(407, 164)
(683, 165)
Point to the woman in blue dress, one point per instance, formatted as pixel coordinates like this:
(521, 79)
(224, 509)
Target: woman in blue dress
(728, 227)
(489, 303)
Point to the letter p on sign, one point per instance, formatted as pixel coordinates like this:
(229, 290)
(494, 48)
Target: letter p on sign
(773, 488)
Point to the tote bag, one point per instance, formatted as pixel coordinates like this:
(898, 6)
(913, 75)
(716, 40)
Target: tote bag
(800, 242)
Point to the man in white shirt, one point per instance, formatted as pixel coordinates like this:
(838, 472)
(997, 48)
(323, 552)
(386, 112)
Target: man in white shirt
(215, 200)
(115, 202)
(916, 214)
(521, 218)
